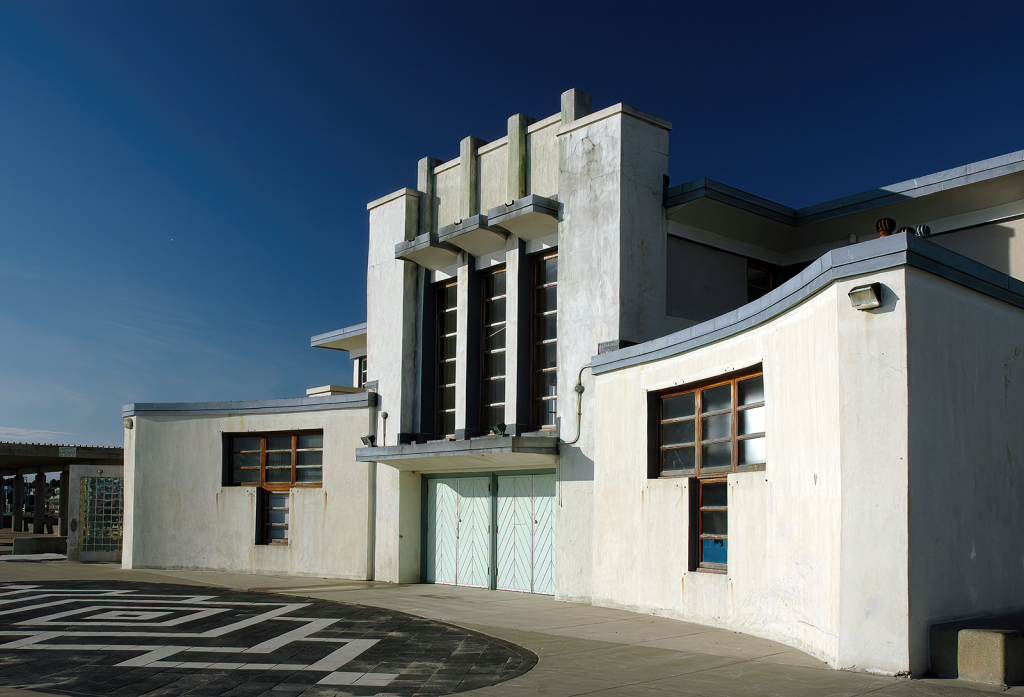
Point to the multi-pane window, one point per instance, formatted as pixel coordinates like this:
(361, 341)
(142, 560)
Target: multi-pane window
(273, 517)
(102, 514)
(545, 339)
(361, 371)
(712, 524)
(447, 315)
(712, 429)
(493, 385)
(276, 460)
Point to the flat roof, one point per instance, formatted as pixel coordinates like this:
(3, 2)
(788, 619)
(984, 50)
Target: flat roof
(259, 406)
(346, 339)
(27, 458)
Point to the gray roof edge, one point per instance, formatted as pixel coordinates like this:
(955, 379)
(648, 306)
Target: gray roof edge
(343, 333)
(355, 400)
(952, 178)
(866, 257)
(704, 187)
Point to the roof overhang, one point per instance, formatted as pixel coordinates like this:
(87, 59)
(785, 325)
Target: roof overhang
(794, 235)
(427, 251)
(530, 217)
(474, 235)
(490, 453)
(351, 339)
(28, 458)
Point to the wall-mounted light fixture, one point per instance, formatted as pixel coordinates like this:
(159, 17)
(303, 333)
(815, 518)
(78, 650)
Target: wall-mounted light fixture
(866, 297)
(369, 441)
(128, 423)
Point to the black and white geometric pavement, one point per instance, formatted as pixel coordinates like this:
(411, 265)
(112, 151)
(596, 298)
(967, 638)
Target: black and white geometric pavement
(133, 639)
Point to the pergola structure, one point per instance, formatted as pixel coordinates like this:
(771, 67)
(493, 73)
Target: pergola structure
(20, 459)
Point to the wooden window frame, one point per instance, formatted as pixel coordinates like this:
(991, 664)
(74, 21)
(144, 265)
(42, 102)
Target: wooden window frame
(536, 318)
(361, 362)
(263, 436)
(697, 526)
(263, 524)
(442, 309)
(657, 449)
(485, 353)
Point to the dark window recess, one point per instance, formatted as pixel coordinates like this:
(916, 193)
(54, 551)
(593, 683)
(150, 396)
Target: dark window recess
(545, 340)
(447, 327)
(493, 384)
(276, 460)
(361, 380)
(762, 277)
(272, 517)
(715, 428)
(712, 525)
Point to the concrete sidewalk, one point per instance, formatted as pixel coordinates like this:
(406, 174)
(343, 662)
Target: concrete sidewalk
(583, 650)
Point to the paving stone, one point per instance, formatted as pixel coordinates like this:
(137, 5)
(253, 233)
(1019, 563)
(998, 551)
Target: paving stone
(186, 642)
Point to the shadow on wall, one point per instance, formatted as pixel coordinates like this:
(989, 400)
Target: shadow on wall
(573, 465)
(989, 245)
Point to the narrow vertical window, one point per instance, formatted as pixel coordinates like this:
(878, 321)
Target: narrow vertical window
(274, 517)
(545, 340)
(493, 386)
(361, 372)
(446, 332)
(713, 525)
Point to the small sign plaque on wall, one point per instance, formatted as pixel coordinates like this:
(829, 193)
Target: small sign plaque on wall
(67, 451)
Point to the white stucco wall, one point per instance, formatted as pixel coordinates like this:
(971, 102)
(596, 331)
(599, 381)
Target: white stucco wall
(967, 456)
(180, 516)
(796, 540)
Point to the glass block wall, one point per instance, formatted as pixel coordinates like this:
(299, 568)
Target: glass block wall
(102, 514)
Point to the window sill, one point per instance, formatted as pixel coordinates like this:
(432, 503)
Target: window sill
(712, 572)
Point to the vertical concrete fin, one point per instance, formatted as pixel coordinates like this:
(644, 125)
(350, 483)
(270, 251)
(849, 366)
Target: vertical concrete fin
(425, 183)
(575, 104)
(517, 165)
(469, 174)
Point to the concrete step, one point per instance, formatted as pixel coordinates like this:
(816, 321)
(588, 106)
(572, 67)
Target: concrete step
(985, 649)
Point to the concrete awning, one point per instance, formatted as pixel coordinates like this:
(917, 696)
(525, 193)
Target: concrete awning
(29, 458)
(530, 218)
(474, 235)
(351, 339)
(483, 453)
(427, 251)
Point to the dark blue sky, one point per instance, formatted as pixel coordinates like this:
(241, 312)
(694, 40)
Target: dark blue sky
(183, 184)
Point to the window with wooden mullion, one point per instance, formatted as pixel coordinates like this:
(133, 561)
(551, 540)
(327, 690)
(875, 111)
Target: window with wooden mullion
(278, 460)
(493, 382)
(713, 525)
(545, 340)
(447, 327)
(711, 429)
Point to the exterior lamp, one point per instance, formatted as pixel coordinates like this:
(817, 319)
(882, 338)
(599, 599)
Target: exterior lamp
(866, 297)
(369, 441)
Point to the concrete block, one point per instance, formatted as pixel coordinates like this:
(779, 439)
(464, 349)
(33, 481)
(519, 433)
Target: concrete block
(40, 545)
(994, 656)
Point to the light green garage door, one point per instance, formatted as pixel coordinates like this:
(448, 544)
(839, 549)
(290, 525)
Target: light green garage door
(459, 531)
(526, 533)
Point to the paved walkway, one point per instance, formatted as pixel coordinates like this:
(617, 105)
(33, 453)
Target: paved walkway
(582, 650)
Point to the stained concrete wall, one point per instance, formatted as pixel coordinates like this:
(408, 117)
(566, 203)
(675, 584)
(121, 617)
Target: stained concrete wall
(179, 515)
(805, 564)
(966, 374)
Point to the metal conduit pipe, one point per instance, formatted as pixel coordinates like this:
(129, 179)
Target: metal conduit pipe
(579, 405)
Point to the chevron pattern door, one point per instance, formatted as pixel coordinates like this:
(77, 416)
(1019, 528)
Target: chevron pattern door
(515, 533)
(474, 549)
(526, 533)
(442, 530)
(544, 534)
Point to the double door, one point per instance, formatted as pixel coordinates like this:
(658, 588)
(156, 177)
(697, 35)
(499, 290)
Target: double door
(491, 531)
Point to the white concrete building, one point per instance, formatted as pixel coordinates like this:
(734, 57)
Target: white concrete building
(575, 379)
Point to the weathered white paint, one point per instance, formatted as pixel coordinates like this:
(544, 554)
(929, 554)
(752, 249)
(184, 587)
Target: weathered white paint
(805, 531)
(180, 516)
(966, 440)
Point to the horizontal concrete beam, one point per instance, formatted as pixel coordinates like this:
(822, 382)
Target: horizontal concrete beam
(267, 406)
